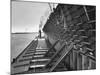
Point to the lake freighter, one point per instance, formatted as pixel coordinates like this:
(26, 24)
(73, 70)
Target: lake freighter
(68, 44)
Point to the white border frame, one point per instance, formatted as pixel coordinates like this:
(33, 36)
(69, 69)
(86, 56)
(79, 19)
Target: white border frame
(5, 37)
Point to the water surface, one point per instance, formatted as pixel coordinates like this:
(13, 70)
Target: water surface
(19, 42)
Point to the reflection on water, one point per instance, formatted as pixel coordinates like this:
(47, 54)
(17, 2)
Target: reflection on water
(19, 42)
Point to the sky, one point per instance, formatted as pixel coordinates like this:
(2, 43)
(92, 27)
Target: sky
(26, 16)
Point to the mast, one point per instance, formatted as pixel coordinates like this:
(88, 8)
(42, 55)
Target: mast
(50, 7)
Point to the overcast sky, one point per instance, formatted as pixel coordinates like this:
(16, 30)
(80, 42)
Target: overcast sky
(26, 15)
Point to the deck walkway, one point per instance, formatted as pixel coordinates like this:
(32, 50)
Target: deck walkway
(32, 58)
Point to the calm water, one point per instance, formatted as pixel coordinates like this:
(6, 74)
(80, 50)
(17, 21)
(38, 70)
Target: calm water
(19, 42)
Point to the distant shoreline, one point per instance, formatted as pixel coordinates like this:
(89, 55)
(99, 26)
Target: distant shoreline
(24, 33)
